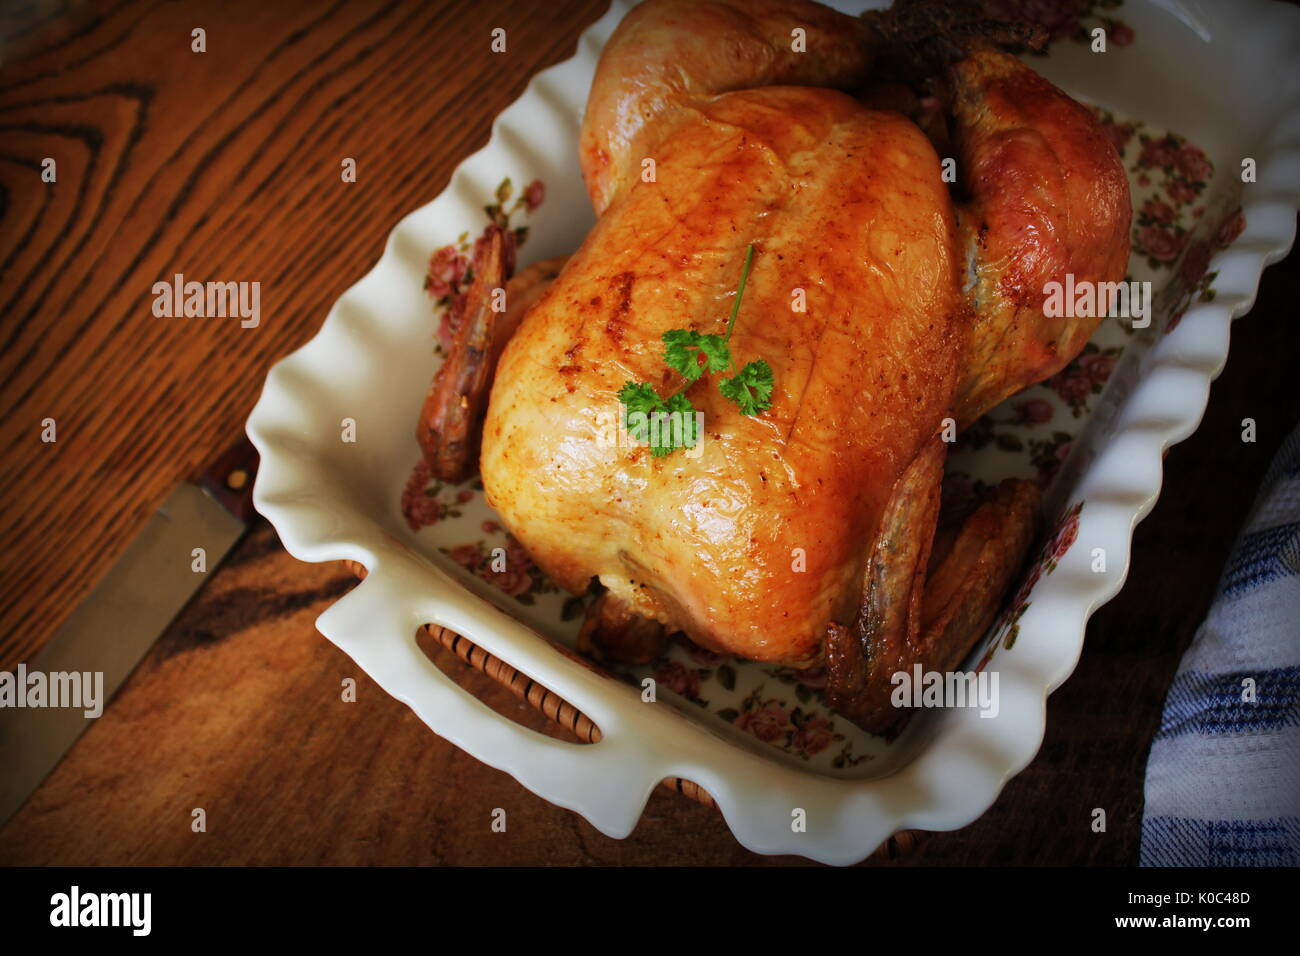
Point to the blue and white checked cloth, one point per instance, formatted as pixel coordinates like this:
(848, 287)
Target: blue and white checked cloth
(1223, 777)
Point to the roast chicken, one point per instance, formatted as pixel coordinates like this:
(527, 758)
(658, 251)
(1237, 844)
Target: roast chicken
(893, 308)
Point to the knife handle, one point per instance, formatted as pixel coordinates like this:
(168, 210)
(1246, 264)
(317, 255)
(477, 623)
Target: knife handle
(229, 479)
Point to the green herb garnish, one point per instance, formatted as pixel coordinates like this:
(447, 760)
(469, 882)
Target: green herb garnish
(693, 354)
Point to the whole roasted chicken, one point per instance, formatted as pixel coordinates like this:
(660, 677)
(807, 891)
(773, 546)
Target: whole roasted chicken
(890, 307)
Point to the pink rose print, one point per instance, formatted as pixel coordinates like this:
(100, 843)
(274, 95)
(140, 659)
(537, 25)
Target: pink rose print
(466, 555)
(1193, 164)
(1158, 153)
(1065, 538)
(1097, 366)
(515, 553)
(446, 270)
(513, 581)
(1073, 385)
(766, 723)
(814, 736)
(1180, 192)
(514, 578)
(1036, 411)
(1048, 468)
(534, 193)
(679, 679)
(1232, 227)
(1162, 245)
(420, 509)
(1160, 212)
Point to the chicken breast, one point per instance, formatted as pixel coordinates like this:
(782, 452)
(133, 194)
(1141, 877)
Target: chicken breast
(754, 542)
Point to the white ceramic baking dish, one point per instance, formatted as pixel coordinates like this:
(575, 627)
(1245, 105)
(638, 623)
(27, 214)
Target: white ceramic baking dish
(1220, 75)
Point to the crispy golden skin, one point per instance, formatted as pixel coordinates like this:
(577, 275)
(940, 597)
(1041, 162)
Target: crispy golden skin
(802, 535)
(845, 204)
(1048, 198)
(668, 53)
(451, 420)
(908, 618)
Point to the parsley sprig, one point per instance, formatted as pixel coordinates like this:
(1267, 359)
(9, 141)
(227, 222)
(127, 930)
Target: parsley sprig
(693, 354)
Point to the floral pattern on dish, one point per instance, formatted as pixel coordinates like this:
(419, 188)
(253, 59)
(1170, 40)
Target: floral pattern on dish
(1007, 627)
(1030, 435)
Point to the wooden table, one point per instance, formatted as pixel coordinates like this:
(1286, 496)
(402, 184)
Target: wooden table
(225, 164)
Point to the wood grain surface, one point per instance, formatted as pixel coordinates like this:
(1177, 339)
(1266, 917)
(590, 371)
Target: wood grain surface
(225, 166)
(221, 165)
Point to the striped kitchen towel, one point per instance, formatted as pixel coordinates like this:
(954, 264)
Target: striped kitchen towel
(1223, 777)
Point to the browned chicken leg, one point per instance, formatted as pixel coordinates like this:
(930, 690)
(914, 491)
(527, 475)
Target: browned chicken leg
(451, 422)
(1048, 197)
(908, 618)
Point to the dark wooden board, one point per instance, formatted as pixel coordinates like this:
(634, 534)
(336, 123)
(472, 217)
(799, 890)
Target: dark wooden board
(225, 165)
